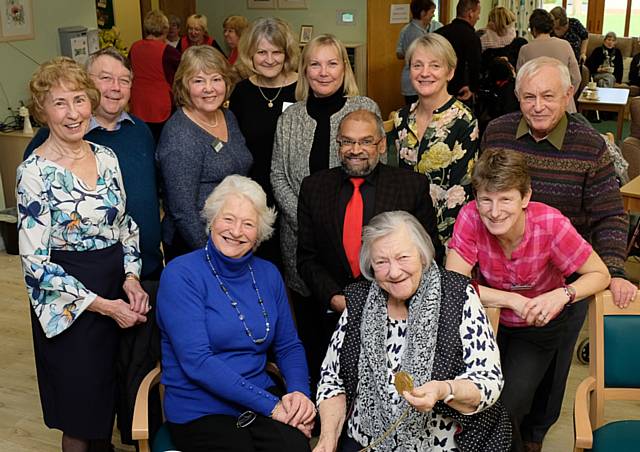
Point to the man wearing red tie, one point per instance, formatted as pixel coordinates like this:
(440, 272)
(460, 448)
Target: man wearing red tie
(333, 206)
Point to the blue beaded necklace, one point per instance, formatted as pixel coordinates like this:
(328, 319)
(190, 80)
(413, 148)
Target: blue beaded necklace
(235, 303)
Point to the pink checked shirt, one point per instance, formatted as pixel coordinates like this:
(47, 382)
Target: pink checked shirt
(550, 250)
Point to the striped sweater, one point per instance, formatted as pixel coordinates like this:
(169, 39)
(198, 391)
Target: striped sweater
(578, 180)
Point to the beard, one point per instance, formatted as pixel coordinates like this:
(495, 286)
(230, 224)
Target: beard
(362, 171)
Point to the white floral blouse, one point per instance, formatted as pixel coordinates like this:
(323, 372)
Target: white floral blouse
(446, 154)
(57, 211)
(481, 357)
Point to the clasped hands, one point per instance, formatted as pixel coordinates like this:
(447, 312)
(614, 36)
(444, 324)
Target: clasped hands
(296, 410)
(540, 310)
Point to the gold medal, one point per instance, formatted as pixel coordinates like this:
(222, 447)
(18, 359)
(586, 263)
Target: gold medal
(403, 382)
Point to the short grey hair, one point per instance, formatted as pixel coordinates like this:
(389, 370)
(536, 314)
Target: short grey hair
(532, 67)
(236, 185)
(387, 223)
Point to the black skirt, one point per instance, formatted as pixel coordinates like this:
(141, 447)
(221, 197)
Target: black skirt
(76, 369)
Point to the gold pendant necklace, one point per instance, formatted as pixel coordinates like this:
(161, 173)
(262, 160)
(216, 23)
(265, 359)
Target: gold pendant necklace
(269, 101)
(55, 147)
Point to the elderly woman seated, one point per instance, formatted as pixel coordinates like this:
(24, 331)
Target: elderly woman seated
(524, 251)
(221, 310)
(411, 324)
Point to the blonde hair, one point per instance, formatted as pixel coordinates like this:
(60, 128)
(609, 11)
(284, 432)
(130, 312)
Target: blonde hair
(275, 31)
(57, 72)
(501, 18)
(155, 23)
(349, 83)
(236, 23)
(436, 45)
(198, 20)
(195, 59)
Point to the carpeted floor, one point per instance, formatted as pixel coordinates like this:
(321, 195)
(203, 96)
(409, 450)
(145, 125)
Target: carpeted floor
(612, 126)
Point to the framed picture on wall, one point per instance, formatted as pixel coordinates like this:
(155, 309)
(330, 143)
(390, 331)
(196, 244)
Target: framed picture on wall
(261, 4)
(16, 20)
(306, 31)
(292, 4)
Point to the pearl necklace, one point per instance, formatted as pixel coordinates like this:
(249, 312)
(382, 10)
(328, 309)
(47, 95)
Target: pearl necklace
(234, 303)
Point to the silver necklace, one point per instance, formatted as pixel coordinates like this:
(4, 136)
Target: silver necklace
(55, 147)
(234, 303)
(269, 101)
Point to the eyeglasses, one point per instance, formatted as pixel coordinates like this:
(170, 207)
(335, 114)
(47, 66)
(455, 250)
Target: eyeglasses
(125, 82)
(367, 143)
(245, 419)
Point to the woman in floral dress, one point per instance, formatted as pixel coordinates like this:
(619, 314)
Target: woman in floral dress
(80, 256)
(438, 135)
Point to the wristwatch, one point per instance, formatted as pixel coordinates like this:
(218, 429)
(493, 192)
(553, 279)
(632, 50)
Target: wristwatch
(571, 293)
(451, 395)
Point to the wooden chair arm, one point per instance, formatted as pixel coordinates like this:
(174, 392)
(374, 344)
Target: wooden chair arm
(582, 423)
(140, 424)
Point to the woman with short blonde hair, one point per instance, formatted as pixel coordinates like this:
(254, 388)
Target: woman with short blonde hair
(233, 27)
(197, 34)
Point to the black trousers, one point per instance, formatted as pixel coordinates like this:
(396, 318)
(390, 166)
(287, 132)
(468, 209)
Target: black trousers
(315, 329)
(527, 354)
(547, 402)
(219, 433)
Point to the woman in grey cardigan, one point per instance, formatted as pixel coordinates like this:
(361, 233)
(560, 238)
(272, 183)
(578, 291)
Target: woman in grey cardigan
(305, 142)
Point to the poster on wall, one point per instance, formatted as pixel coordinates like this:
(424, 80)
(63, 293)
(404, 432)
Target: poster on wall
(104, 12)
(16, 20)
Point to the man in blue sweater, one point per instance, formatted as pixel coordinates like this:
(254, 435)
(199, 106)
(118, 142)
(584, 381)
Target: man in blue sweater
(130, 139)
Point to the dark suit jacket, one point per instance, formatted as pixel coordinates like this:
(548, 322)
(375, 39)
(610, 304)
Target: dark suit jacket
(321, 260)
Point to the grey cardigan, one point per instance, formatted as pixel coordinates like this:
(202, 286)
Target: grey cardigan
(290, 164)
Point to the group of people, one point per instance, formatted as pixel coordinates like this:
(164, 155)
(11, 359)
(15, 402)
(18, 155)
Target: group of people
(390, 342)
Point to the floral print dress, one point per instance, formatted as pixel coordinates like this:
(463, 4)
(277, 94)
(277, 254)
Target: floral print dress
(446, 154)
(58, 211)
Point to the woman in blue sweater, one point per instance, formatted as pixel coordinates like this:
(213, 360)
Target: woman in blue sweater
(221, 310)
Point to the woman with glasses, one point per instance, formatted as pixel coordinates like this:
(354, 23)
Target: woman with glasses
(437, 135)
(154, 63)
(221, 312)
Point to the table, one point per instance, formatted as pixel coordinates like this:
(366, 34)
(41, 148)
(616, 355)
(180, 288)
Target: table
(631, 195)
(609, 99)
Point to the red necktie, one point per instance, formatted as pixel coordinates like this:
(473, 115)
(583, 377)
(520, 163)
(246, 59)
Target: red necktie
(352, 229)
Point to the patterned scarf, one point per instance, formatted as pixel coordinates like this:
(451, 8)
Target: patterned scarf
(373, 400)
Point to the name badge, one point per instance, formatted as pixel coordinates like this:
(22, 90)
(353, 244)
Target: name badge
(286, 105)
(216, 145)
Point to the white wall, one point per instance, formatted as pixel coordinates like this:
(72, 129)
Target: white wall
(48, 15)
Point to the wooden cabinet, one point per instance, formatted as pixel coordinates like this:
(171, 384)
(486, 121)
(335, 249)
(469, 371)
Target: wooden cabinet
(12, 146)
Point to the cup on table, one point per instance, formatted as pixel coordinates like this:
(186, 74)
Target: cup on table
(592, 86)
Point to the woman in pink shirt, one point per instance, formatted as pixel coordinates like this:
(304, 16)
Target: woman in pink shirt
(524, 252)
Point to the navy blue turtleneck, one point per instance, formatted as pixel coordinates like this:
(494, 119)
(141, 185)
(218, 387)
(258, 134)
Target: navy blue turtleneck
(209, 364)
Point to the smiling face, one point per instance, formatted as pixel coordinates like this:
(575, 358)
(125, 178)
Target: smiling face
(207, 91)
(325, 71)
(397, 265)
(359, 159)
(195, 32)
(610, 42)
(543, 100)
(429, 75)
(268, 61)
(503, 212)
(234, 230)
(67, 113)
(113, 80)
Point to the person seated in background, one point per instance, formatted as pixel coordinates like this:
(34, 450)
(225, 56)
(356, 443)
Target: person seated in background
(523, 251)
(197, 34)
(200, 145)
(414, 321)
(233, 27)
(605, 62)
(634, 70)
(154, 63)
(422, 22)
(221, 311)
(173, 36)
(572, 31)
(500, 30)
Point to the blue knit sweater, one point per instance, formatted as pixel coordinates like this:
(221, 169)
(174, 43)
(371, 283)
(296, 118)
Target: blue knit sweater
(209, 364)
(133, 145)
(193, 163)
